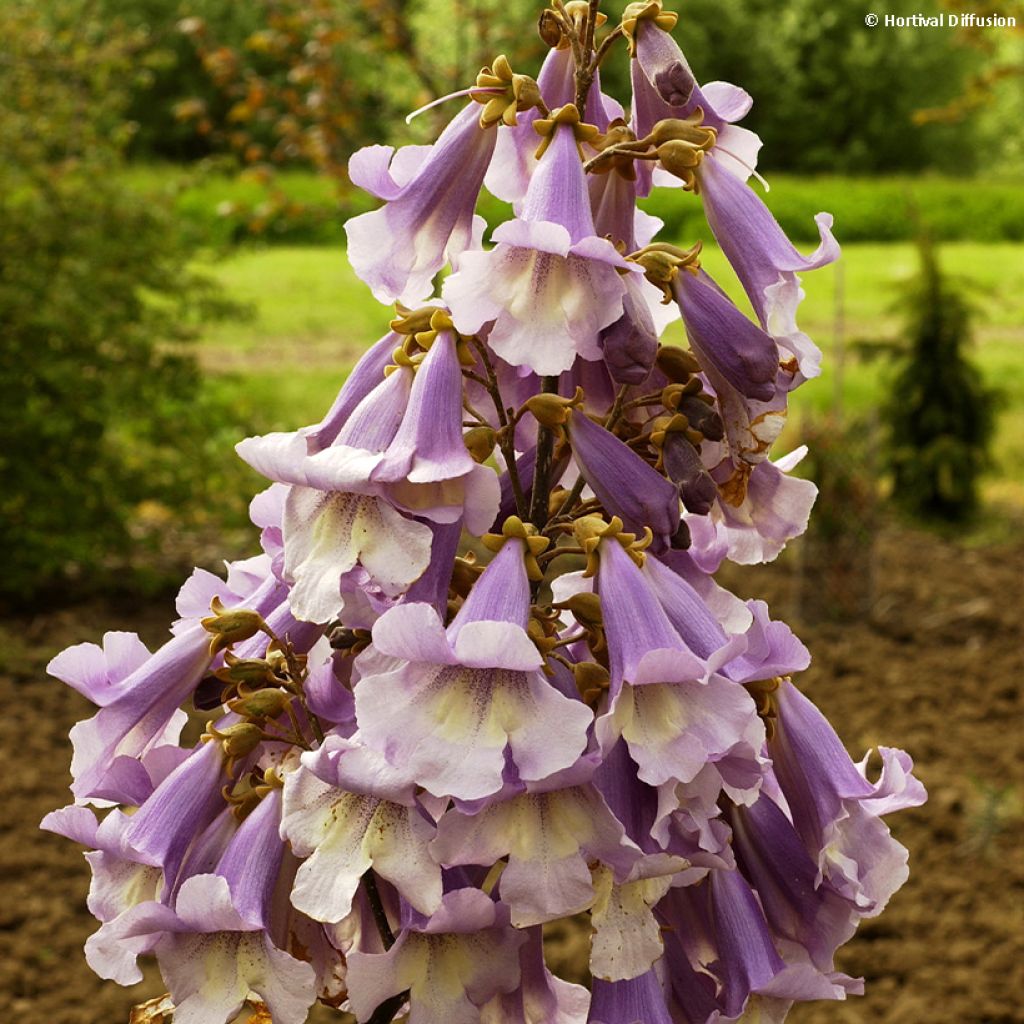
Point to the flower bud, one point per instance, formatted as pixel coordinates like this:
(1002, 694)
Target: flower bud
(464, 574)
(262, 704)
(549, 28)
(229, 627)
(253, 672)
(586, 608)
(552, 411)
(681, 159)
(349, 641)
(678, 364)
(702, 417)
(480, 442)
(591, 681)
(237, 740)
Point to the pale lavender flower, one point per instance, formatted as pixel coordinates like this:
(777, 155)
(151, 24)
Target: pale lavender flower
(835, 809)
(720, 928)
(468, 943)
(140, 711)
(551, 284)
(551, 833)
(428, 219)
(345, 810)
(460, 696)
(672, 708)
(348, 516)
(762, 509)
(540, 995)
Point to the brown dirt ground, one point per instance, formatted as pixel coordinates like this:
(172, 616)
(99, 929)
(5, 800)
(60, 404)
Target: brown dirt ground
(936, 668)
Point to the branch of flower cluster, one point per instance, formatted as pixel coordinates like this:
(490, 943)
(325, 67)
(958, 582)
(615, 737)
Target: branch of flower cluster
(506, 436)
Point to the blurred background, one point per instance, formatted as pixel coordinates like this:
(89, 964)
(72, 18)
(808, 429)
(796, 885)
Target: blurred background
(172, 278)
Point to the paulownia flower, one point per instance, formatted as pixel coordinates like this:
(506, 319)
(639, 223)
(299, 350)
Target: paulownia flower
(836, 811)
(139, 694)
(540, 995)
(672, 708)
(346, 810)
(639, 1000)
(626, 485)
(221, 923)
(348, 516)
(760, 509)
(551, 832)
(462, 699)
(721, 959)
(452, 964)
(428, 218)
(551, 284)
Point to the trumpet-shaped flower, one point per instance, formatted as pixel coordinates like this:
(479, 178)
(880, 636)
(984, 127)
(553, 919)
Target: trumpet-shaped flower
(428, 218)
(835, 809)
(672, 708)
(463, 696)
(348, 516)
(551, 284)
(452, 964)
(345, 810)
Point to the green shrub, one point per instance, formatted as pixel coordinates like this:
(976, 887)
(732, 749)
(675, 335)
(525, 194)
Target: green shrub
(939, 413)
(103, 419)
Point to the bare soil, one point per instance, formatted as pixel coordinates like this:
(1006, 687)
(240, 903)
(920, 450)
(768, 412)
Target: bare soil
(936, 668)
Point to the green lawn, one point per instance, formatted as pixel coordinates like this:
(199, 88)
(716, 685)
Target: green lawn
(313, 317)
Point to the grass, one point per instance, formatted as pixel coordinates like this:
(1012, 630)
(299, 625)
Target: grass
(221, 208)
(313, 317)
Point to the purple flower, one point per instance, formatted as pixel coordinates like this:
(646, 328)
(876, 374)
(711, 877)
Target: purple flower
(458, 697)
(760, 509)
(551, 833)
(212, 958)
(452, 964)
(727, 345)
(718, 926)
(627, 938)
(120, 882)
(428, 219)
(835, 809)
(764, 259)
(139, 711)
(799, 907)
(638, 1000)
(551, 284)
(346, 810)
(670, 706)
(508, 176)
(540, 995)
(631, 343)
(625, 485)
(400, 454)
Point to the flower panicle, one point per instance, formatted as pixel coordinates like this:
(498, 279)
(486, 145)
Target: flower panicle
(480, 676)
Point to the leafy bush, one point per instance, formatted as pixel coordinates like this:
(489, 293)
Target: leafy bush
(103, 413)
(940, 415)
